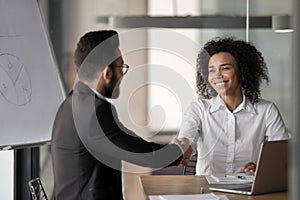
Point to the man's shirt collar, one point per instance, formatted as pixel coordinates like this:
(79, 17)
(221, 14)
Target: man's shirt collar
(99, 95)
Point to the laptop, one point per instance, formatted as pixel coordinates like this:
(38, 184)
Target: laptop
(271, 171)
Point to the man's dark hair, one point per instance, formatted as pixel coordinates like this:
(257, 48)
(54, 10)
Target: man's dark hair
(251, 64)
(90, 56)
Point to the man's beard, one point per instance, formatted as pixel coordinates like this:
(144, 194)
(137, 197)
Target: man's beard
(112, 90)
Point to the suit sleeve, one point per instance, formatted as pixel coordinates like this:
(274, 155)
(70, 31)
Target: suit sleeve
(105, 136)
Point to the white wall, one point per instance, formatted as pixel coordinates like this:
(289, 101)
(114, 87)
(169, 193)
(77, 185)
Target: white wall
(7, 174)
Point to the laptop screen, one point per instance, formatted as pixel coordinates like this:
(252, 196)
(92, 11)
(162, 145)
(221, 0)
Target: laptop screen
(271, 171)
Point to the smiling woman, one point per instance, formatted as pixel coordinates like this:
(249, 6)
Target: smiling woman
(230, 120)
(250, 62)
(224, 77)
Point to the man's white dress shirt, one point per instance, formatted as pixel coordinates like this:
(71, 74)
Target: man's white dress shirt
(227, 140)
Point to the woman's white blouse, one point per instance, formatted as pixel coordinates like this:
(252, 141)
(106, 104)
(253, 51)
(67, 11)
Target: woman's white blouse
(227, 140)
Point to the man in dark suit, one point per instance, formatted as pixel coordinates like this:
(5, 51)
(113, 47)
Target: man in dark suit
(88, 141)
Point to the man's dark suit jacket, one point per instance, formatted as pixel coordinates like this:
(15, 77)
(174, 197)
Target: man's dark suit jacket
(77, 172)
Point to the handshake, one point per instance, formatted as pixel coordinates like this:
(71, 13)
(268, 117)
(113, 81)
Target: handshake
(186, 147)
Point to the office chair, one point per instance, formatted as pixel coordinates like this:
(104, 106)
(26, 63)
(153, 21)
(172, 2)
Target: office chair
(37, 190)
(190, 168)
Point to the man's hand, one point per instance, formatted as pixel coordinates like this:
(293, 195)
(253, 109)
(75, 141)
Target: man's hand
(249, 167)
(184, 143)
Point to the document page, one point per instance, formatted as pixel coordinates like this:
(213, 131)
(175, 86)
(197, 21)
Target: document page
(235, 178)
(209, 196)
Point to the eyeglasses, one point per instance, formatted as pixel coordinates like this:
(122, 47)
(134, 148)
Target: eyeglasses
(124, 67)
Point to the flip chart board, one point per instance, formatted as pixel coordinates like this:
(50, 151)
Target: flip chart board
(30, 87)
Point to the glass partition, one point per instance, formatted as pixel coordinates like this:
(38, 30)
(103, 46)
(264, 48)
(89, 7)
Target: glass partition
(275, 47)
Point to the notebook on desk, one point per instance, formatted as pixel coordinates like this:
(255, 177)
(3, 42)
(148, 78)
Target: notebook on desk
(271, 171)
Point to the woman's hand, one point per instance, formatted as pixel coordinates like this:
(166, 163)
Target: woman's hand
(249, 168)
(184, 143)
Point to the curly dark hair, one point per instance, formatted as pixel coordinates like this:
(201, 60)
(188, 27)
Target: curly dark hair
(252, 67)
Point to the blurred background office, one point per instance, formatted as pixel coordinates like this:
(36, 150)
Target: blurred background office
(152, 104)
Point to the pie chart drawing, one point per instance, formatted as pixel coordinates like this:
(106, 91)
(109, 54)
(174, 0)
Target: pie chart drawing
(15, 84)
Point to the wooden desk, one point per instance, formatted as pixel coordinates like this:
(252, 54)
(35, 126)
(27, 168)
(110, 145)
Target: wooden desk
(178, 184)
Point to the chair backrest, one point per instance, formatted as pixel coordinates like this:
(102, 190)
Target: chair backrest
(190, 168)
(37, 190)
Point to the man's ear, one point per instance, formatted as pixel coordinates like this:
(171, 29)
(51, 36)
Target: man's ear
(107, 74)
